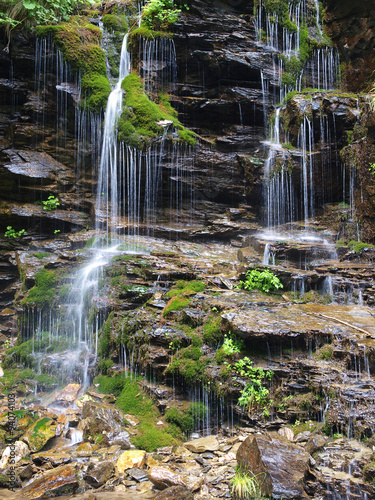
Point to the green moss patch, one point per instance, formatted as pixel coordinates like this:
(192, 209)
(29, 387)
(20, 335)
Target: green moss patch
(44, 292)
(115, 23)
(132, 400)
(79, 42)
(139, 122)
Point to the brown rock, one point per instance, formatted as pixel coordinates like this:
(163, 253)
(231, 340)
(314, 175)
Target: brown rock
(130, 459)
(282, 464)
(175, 493)
(98, 474)
(209, 443)
(53, 483)
(163, 478)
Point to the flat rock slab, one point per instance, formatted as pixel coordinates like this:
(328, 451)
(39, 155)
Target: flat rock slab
(201, 445)
(298, 320)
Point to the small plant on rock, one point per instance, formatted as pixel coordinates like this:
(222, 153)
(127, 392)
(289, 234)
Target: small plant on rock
(51, 203)
(12, 233)
(245, 485)
(261, 280)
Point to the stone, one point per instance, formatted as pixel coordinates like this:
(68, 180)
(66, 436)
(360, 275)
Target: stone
(315, 443)
(103, 417)
(14, 453)
(69, 394)
(201, 445)
(55, 459)
(98, 474)
(53, 483)
(175, 493)
(121, 439)
(130, 459)
(39, 433)
(163, 478)
(287, 433)
(282, 464)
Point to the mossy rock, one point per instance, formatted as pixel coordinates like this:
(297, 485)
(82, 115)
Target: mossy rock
(80, 44)
(115, 23)
(44, 292)
(140, 121)
(39, 433)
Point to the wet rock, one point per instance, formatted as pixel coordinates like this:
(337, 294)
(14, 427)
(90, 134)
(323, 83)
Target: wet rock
(98, 474)
(103, 417)
(315, 443)
(175, 493)
(55, 482)
(201, 445)
(68, 395)
(120, 439)
(138, 475)
(130, 459)
(14, 453)
(53, 458)
(39, 433)
(163, 478)
(283, 465)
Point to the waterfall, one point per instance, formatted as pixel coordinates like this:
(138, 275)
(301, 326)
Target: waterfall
(158, 65)
(107, 206)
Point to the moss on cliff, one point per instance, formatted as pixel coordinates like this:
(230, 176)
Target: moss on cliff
(141, 118)
(79, 42)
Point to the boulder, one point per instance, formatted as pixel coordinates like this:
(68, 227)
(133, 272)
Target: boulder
(39, 433)
(104, 418)
(14, 453)
(163, 478)
(53, 483)
(98, 474)
(282, 464)
(130, 459)
(201, 445)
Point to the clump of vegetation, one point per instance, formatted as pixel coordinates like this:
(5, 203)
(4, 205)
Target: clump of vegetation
(358, 246)
(264, 281)
(43, 293)
(211, 330)
(325, 352)
(80, 44)
(255, 394)
(12, 233)
(51, 203)
(245, 485)
(159, 15)
(180, 295)
(131, 400)
(186, 419)
(140, 120)
(115, 23)
(190, 362)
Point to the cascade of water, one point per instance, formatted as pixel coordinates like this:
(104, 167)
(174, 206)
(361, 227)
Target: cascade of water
(306, 144)
(107, 205)
(158, 65)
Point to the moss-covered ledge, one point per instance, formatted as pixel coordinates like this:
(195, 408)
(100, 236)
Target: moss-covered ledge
(80, 44)
(142, 120)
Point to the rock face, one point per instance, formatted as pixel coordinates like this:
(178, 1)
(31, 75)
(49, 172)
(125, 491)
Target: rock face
(39, 433)
(283, 465)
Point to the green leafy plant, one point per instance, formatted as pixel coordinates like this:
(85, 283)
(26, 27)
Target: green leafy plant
(260, 280)
(57, 231)
(372, 168)
(51, 203)
(255, 393)
(160, 14)
(231, 346)
(12, 233)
